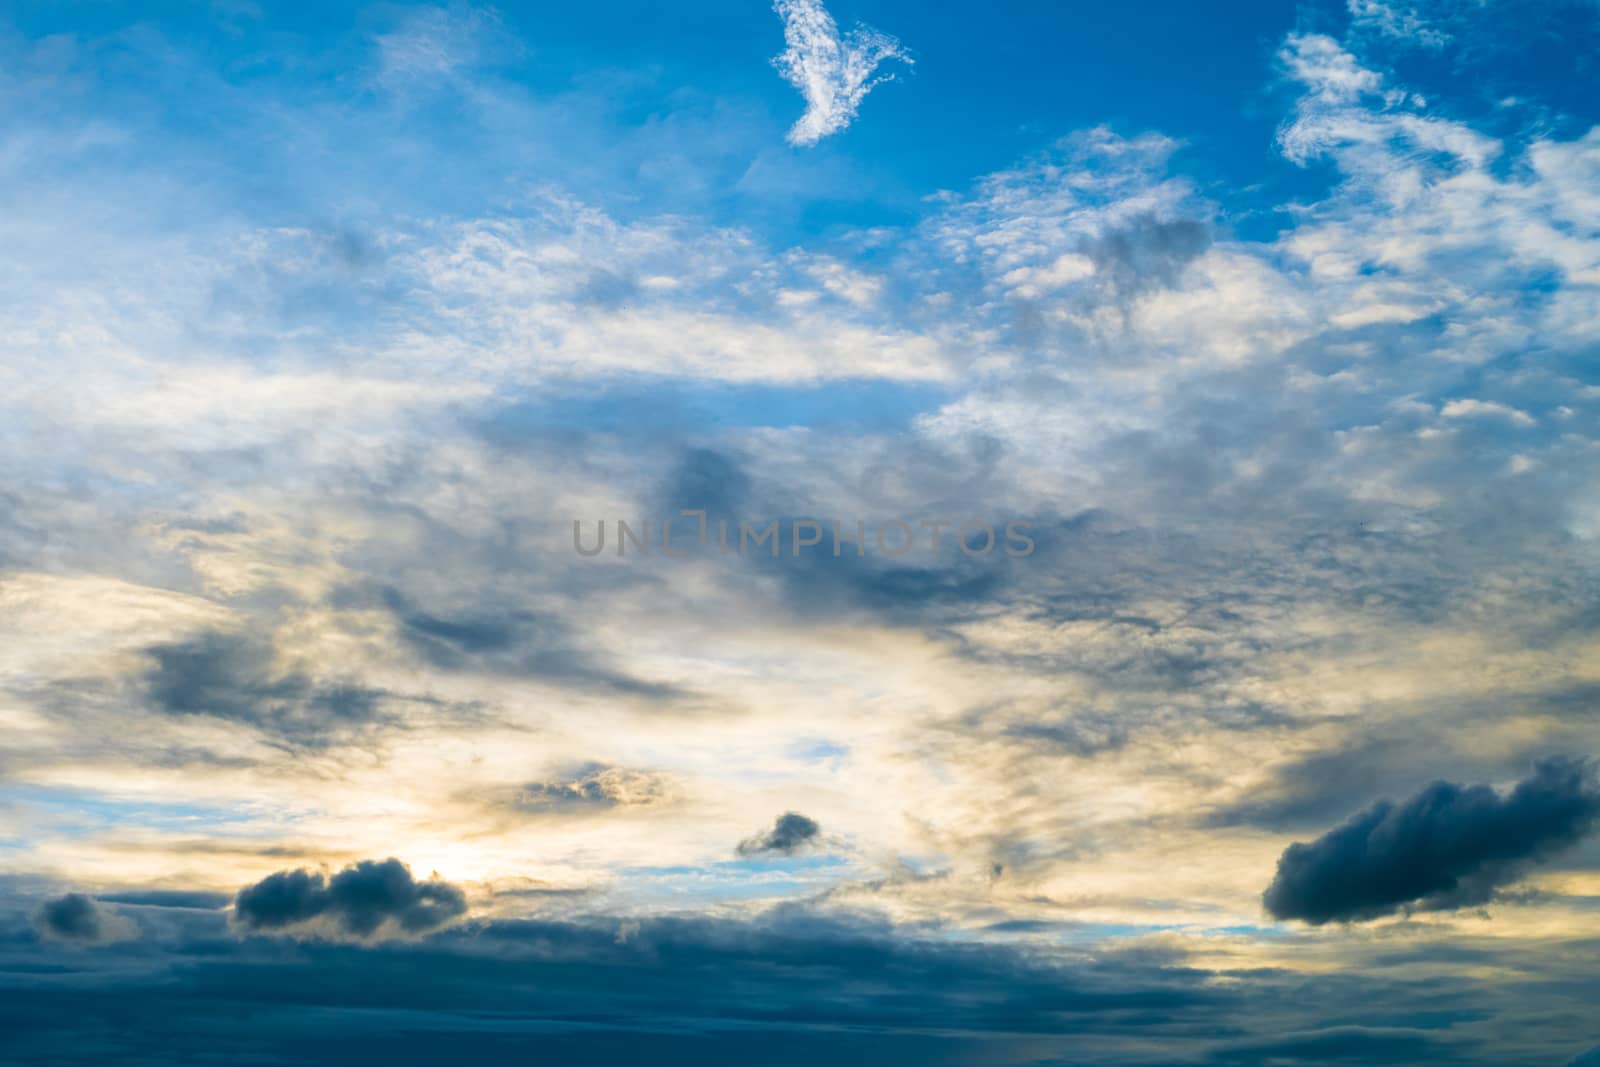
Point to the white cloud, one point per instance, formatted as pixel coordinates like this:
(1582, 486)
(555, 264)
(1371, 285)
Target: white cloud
(1392, 20)
(1472, 408)
(516, 300)
(834, 73)
(1069, 267)
(432, 44)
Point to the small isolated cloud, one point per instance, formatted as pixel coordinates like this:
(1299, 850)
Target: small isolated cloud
(1448, 846)
(80, 920)
(363, 901)
(834, 73)
(594, 787)
(792, 833)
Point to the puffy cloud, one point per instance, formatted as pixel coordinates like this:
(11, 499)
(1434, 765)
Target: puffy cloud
(791, 833)
(366, 900)
(80, 919)
(1449, 846)
(834, 73)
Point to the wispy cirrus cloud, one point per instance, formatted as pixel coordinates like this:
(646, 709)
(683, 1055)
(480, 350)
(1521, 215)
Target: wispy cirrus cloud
(833, 71)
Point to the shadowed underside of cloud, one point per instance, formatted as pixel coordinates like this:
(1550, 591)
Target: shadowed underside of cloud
(366, 900)
(791, 833)
(1448, 846)
(1339, 1044)
(833, 72)
(193, 899)
(791, 985)
(786, 987)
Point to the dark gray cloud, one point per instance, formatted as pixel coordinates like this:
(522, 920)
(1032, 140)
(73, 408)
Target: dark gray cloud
(794, 985)
(1340, 1044)
(1148, 252)
(232, 677)
(191, 899)
(1332, 783)
(519, 642)
(1448, 846)
(908, 594)
(77, 918)
(361, 901)
(1313, 790)
(790, 986)
(708, 480)
(791, 833)
(911, 585)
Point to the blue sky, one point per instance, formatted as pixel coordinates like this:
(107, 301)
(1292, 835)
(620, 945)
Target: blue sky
(1272, 327)
(675, 110)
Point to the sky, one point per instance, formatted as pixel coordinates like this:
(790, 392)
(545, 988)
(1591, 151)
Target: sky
(780, 533)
